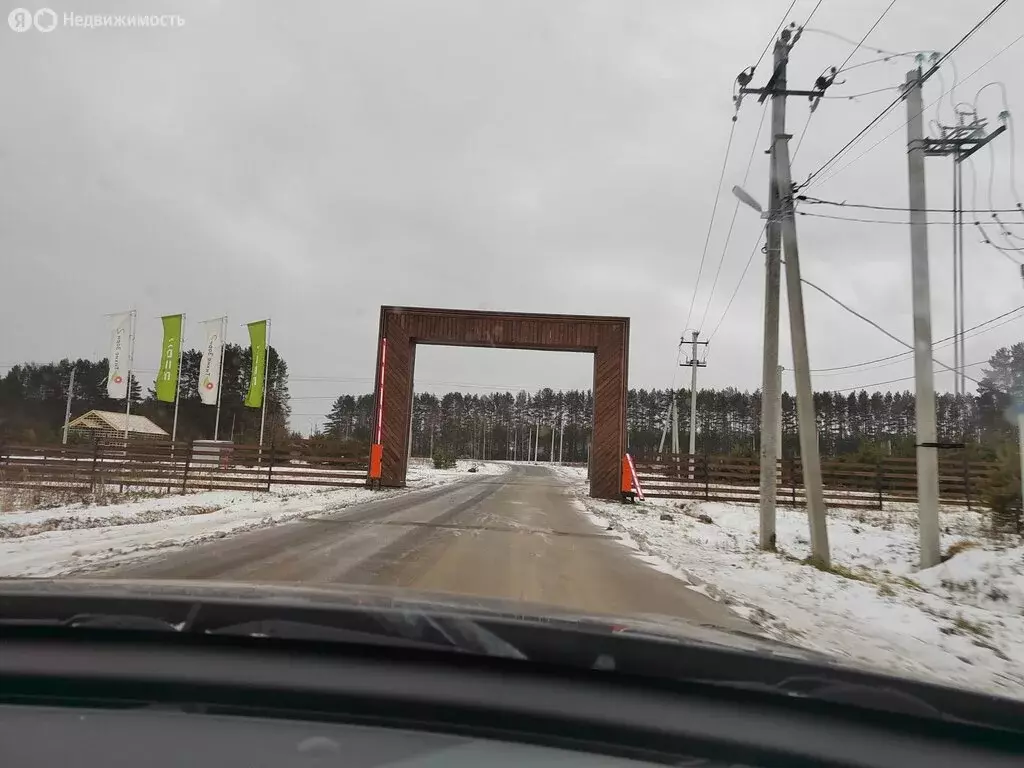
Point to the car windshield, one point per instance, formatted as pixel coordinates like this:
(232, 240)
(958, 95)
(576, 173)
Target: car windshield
(640, 311)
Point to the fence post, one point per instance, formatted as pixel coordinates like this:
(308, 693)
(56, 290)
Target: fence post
(95, 460)
(792, 478)
(967, 481)
(707, 479)
(270, 466)
(878, 482)
(188, 463)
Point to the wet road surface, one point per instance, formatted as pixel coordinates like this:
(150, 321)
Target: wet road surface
(518, 536)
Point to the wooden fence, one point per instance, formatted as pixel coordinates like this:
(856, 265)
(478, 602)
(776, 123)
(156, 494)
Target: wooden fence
(848, 484)
(177, 467)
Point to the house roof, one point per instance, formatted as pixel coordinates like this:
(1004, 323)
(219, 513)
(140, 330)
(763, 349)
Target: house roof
(115, 421)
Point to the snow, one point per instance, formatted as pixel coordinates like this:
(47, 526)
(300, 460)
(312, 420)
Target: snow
(959, 623)
(77, 536)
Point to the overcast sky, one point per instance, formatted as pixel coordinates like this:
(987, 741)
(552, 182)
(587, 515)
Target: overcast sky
(312, 161)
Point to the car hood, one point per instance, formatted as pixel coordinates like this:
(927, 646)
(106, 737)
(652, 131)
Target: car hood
(325, 596)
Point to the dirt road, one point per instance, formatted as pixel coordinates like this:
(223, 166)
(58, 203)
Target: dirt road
(514, 536)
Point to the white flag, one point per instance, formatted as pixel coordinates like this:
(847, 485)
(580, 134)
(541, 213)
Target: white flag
(209, 366)
(117, 378)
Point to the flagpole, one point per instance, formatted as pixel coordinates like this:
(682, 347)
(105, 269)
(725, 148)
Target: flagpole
(220, 375)
(131, 362)
(177, 389)
(266, 375)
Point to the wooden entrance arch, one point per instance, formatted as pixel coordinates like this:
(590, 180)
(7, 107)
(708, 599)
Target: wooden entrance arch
(402, 328)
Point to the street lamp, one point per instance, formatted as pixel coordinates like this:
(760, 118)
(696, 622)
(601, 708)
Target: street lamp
(748, 199)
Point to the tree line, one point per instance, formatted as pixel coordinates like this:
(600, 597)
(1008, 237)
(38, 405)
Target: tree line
(503, 425)
(33, 398)
(506, 425)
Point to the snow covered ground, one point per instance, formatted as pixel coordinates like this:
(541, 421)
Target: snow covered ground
(960, 623)
(63, 539)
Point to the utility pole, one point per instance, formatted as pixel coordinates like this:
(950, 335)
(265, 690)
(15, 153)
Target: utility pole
(67, 408)
(536, 440)
(808, 426)
(771, 391)
(782, 219)
(693, 364)
(960, 141)
(551, 456)
(924, 381)
(675, 426)
(666, 426)
(561, 438)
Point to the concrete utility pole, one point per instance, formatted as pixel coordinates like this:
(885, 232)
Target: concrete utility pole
(551, 456)
(808, 427)
(771, 390)
(561, 438)
(961, 141)
(536, 441)
(781, 214)
(924, 380)
(67, 408)
(675, 426)
(693, 364)
(666, 425)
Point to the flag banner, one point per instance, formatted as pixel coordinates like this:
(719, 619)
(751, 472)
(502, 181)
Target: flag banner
(117, 376)
(170, 357)
(258, 341)
(209, 366)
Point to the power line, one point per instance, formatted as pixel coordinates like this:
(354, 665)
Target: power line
(732, 222)
(884, 59)
(850, 40)
(818, 201)
(875, 325)
(774, 35)
(905, 378)
(880, 116)
(813, 11)
(800, 141)
(711, 224)
(858, 95)
(858, 45)
(937, 345)
(892, 133)
(864, 221)
(854, 312)
(885, 112)
(961, 41)
(739, 283)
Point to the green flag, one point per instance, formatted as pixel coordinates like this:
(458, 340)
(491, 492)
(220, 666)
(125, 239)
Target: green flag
(258, 340)
(170, 358)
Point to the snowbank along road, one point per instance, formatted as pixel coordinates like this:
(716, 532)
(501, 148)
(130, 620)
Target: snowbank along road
(517, 536)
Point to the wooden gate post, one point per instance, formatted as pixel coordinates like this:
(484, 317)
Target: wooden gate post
(878, 482)
(792, 478)
(967, 481)
(95, 459)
